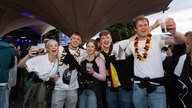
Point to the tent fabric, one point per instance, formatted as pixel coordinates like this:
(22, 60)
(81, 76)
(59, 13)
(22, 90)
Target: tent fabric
(87, 17)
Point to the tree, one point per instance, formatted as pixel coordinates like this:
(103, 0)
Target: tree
(125, 29)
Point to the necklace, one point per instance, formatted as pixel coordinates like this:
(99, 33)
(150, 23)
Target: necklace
(77, 53)
(146, 48)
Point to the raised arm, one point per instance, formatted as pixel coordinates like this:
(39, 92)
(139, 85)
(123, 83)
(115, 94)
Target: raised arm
(22, 62)
(176, 37)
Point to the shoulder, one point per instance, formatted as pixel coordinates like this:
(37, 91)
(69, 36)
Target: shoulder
(84, 58)
(159, 36)
(99, 59)
(183, 57)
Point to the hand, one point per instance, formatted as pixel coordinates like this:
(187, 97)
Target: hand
(90, 70)
(169, 52)
(54, 78)
(171, 25)
(32, 52)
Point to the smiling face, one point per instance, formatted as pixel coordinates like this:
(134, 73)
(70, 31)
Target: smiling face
(75, 41)
(52, 47)
(90, 48)
(142, 28)
(106, 41)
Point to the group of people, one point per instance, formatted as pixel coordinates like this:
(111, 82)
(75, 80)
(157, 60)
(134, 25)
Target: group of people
(125, 74)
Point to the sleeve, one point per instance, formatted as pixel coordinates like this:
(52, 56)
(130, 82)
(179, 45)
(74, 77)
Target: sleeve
(179, 66)
(12, 62)
(128, 50)
(124, 43)
(32, 64)
(102, 69)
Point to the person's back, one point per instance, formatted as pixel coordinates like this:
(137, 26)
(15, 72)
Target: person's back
(7, 61)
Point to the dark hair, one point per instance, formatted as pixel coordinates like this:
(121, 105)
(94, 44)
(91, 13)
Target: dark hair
(76, 33)
(97, 39)
(9, 40)
(139, 18)
(116, 36)
(104, 33)
(94, 42)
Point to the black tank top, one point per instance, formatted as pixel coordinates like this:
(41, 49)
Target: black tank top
(84, 70)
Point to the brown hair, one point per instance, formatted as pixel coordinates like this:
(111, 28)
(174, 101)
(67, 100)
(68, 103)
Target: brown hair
(94, 42)
(139, 18)
(77, 34)
(104, 33)
(188, 36)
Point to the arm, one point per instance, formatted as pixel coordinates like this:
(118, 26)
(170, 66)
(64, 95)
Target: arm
(22, 64)
(177, 37)
(155, 25)
(102, 69)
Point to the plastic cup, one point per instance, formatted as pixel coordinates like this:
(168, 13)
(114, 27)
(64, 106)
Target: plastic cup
(89, 65)
(164, 27)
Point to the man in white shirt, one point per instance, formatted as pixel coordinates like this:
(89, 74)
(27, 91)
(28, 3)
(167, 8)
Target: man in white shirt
(65, 91)
(148, 89)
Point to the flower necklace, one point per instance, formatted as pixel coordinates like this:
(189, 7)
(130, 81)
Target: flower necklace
(146, 48)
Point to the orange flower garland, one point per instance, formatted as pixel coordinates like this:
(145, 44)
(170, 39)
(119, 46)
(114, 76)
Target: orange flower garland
(146, 48)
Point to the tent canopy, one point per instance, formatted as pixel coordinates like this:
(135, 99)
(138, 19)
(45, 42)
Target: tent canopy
(87, 17)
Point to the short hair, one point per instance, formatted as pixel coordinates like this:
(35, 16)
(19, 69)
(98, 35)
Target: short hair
(104, 33)
(116, 36)
(76, 33)
(139, 18)
(9, 40)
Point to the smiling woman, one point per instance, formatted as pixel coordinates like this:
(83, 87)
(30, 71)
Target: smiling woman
(45, 73)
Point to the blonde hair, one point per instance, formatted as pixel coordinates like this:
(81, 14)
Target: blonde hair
(48, 44)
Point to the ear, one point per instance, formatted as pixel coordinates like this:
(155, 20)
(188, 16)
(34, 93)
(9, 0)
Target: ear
(135, 29)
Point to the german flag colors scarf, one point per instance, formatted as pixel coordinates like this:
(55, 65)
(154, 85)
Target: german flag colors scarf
(111, 72)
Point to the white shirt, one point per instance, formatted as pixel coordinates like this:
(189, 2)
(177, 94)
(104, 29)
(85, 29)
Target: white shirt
(73, 84)
(152, 66)
(42, 67)
(119, 49)
(179, 67)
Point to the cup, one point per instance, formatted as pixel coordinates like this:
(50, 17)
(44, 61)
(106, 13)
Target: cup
(89, 65)
(35, 49)
(162, 22)
(41, 47)
(52, 77)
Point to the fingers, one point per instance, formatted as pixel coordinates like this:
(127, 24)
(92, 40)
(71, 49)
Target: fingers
(33, 52)
(171, 25)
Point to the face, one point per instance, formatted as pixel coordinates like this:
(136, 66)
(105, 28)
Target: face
(90, 48)
(106, 41)
(75, 41)
(142, 28)
(52, 48)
